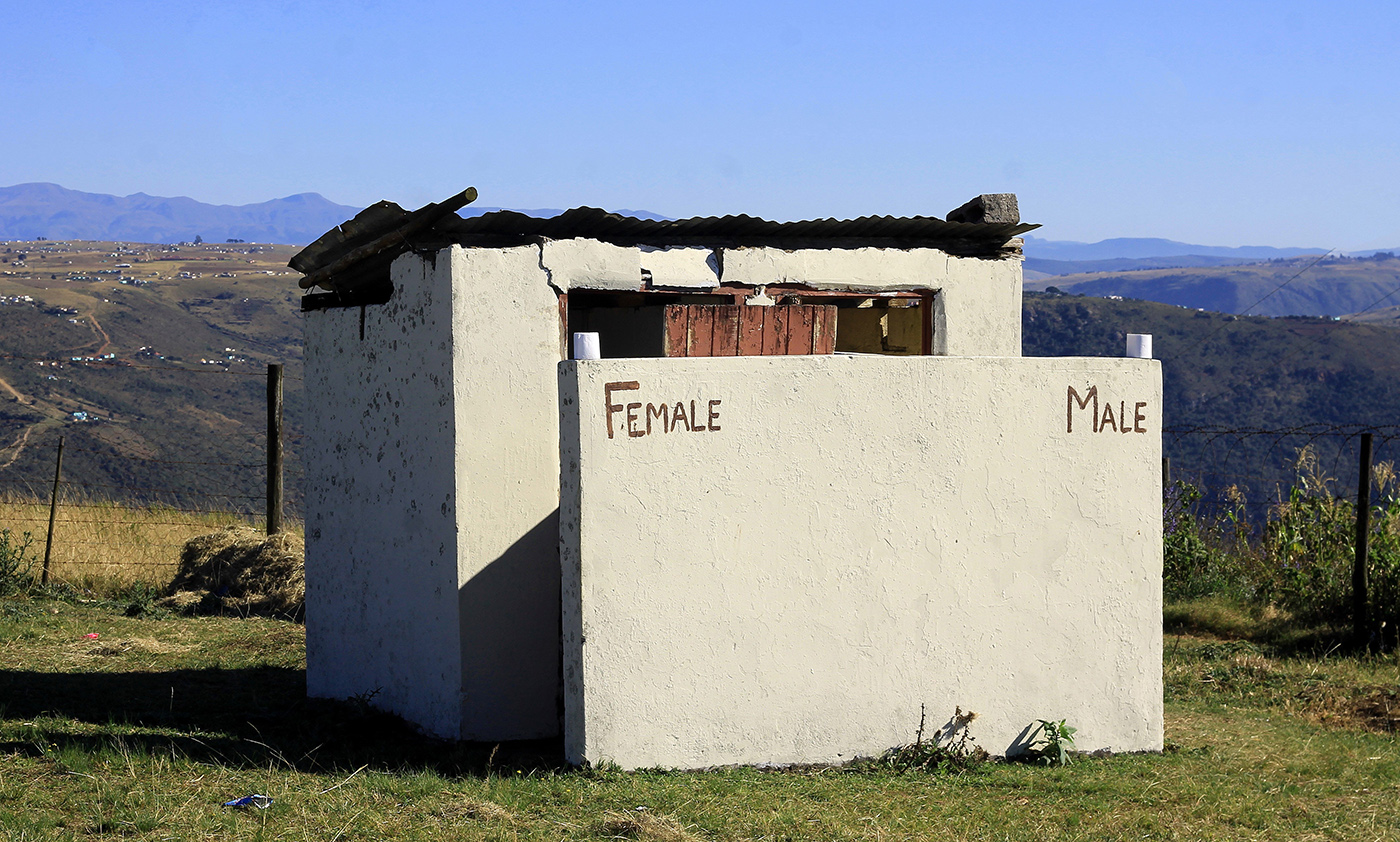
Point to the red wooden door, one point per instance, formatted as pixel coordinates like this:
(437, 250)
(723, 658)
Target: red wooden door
(706, 330)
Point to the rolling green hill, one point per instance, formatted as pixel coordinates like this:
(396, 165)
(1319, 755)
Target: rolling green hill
(1334, 286)
(1247, 371)
(1379, 316)
(1241, 374)
(150, 361)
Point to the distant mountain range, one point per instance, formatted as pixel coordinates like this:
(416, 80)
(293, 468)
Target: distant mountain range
(31, 211)
(1045, 258)
(1151, 247)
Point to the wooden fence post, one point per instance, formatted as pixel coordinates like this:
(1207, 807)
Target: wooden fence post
(274, 448)
(1363, 544)
(53, 512)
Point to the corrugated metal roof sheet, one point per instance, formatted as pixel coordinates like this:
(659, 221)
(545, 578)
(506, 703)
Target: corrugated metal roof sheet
(597, 224)
(379, 222)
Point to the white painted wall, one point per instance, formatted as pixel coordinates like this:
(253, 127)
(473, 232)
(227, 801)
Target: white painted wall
(851, 537)
(381, 498)
(433, 462)
(507, 341)
(432, 497)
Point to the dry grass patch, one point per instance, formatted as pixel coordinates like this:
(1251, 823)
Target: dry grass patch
(134, 645)
(241, 569)
(1368, 708)
(1380, 710)
(1223, 619)
(642, 825)
(1352, 692)
(478, 810)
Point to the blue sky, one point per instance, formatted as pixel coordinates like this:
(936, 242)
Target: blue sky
(1225, 123)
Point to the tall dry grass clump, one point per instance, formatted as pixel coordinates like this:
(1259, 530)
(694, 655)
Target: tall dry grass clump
(239, 569)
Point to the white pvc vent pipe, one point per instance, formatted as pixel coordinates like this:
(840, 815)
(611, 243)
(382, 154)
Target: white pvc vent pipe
(586, 346)
(1140, 345)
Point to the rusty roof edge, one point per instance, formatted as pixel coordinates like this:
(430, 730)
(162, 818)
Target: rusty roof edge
(968, 239)
(365, 226)
(594, 223)
(326, 266)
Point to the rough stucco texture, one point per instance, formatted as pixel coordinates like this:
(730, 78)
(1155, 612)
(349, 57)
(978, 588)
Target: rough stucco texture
(381, 529)
(823, 544)
(432, 497)
(507, 344)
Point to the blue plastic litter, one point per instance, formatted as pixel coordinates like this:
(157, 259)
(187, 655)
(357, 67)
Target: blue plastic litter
(262, 802)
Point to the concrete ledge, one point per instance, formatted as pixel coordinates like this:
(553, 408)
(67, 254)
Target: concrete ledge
(681, 267)
(844, 269)
(590, 264)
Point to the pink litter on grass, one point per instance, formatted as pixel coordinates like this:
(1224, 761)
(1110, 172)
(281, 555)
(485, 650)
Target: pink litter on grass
(91, 635)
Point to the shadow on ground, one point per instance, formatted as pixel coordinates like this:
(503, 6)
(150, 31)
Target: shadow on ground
(247, 718)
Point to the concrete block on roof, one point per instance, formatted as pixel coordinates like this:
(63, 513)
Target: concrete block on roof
(682, 267)
(590, 264)
(989, 207)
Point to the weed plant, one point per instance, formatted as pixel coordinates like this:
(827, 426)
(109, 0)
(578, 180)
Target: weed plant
(1207, 554)
(1050, 744)
(952, 751)
(16, 562)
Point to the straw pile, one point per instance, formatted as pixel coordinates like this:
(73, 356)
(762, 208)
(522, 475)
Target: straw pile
(240, 570)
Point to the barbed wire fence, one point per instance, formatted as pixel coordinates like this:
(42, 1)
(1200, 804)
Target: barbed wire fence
(98, 510)
(1260, 466)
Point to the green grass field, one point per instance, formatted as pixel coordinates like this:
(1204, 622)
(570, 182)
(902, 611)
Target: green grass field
(144, 730)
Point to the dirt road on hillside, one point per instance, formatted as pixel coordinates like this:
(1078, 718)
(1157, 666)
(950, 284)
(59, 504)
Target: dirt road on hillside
(18, 447)
(11, 389)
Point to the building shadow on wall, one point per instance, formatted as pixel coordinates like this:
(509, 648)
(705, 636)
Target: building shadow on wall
(237, 718)
(510, 638)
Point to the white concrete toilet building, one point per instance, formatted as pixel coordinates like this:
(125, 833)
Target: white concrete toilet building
(811, 487)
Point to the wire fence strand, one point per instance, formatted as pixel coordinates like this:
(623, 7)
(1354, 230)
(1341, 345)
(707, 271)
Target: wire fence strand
(1253, 470)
